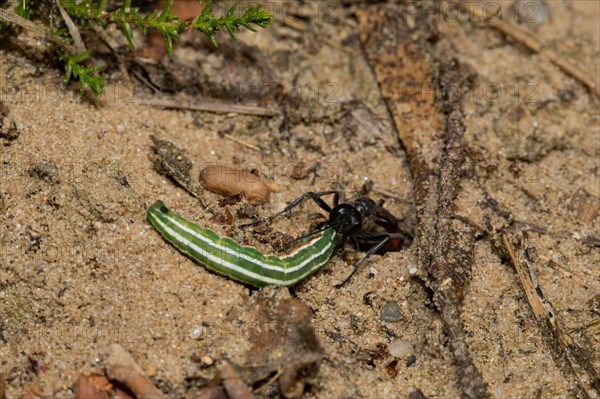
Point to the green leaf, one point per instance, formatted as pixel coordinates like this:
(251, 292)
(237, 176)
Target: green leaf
(126, 27)
(208, 24)
(88, 77)
(127, 18)
(166, 11)
(23, 9)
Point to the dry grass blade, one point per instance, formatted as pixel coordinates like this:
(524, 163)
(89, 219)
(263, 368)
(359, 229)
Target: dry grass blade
(544, 314)
(220, 108)
(73, 30)
(35, 29)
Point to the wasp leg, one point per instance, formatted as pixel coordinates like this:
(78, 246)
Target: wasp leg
(385, 238)
(316, 197)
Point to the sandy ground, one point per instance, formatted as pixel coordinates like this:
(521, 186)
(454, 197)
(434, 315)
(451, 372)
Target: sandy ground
(82, 268)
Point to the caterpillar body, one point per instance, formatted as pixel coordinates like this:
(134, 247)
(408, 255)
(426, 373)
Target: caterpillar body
(245, 264)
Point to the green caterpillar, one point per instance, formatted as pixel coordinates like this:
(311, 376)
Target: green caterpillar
(243, 263)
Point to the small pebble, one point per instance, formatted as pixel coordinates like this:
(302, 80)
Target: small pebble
(399, 348)
(190, 369)
(390, 312)
(207, 360)
(151, 371)
(197, 331)
(412, 359)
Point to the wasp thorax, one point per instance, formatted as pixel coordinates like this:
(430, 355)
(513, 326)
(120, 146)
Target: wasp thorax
(345, 219)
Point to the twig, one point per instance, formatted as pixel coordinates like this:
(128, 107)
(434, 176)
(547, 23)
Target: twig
(591, 327)
(269, 382)
(545, 315)
(220, 108)
(73, 30)
(533, 298)
(451, 262)
(122, 367)
(35, 29)
(145, 81)
(442, 251)
(532, 43)
(293, 24)
(241, 142)
(393, 196)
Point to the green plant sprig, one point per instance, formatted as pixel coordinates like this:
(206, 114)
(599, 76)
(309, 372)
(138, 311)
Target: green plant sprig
(88, 76)
(166, 22)
(23, 9)
(87, 14)
(209, 25)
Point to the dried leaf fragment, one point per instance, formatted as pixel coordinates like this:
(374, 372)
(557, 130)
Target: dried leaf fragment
(93, 386)
(169, 160)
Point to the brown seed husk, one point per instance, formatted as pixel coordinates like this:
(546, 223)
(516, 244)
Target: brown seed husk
(227, 181)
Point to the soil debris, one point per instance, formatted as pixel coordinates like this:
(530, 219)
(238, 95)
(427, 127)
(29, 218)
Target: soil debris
(93, 386)
(584, 205)
(288, 349)
(122, 367)
(106, 206)
(226, 384)
(168, 160)
(283, 356)
(8, 128)
(435, 162)
(390, 312)
(45, 170)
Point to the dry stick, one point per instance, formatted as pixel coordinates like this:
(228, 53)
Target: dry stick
(397, 62)
(121, 367)
(73, 30)
(545, 315)
(592, 327)
(566, 346)
(221, 108)
(534, 45)
(451, 263)
(241, 142)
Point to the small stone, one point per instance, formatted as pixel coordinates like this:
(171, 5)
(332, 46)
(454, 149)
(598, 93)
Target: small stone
(197, 331)
(190, 370)
(207, 360)
(151, 371)
(584, 205)
(399, 348)
(390, 312)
